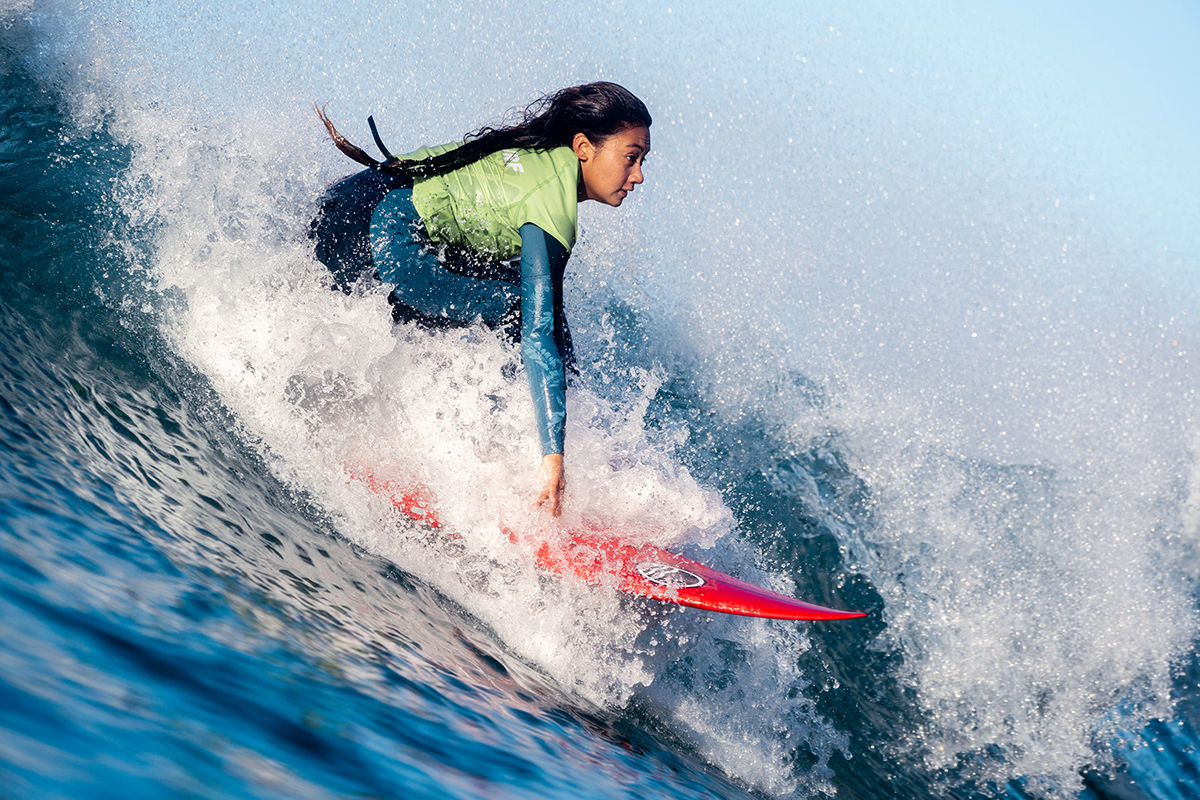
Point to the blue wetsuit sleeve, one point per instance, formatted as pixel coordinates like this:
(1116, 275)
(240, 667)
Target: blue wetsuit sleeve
(545, 342)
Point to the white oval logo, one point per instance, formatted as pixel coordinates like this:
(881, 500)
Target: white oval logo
(667, 575)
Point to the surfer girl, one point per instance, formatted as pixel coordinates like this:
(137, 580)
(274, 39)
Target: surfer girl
(481, 230)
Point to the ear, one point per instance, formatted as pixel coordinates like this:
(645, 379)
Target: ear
(583, 147)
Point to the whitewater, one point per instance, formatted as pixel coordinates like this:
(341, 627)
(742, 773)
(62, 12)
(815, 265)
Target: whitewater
(903, 319)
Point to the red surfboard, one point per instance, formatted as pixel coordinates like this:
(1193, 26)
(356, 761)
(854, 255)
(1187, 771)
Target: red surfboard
(599, 557)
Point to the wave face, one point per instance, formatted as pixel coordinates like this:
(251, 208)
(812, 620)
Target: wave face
(896, 323)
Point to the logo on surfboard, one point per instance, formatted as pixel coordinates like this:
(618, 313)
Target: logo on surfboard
(667, 575)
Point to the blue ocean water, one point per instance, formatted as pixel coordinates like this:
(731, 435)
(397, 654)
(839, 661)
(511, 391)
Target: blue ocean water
(887, 327)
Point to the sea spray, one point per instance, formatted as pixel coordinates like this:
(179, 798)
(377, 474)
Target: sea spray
(1005, 386)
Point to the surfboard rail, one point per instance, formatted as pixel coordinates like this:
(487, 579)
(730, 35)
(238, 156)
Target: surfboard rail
(598, 557)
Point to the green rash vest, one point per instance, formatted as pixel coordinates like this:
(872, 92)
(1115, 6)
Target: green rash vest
(513, 203)
(483, 205)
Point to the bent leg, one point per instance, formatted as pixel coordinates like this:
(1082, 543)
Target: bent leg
(341, 228)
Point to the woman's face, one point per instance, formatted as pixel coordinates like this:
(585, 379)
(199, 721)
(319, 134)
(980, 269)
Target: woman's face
(612, 169)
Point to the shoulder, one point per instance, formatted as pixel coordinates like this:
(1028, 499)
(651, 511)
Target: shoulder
(550, 197)
(558, 162)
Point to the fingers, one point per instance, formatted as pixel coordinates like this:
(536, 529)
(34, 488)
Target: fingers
(552, 496)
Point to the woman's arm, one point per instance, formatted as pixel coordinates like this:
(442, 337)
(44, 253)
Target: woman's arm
(545, 349)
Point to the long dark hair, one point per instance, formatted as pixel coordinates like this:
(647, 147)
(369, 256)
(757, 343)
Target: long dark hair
(597, 110)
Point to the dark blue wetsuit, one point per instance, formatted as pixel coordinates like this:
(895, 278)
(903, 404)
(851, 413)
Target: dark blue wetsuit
(367, 229)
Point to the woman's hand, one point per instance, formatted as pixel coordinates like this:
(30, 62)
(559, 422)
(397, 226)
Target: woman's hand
(553, 481)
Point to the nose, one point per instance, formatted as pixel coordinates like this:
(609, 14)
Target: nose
(636, 176)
